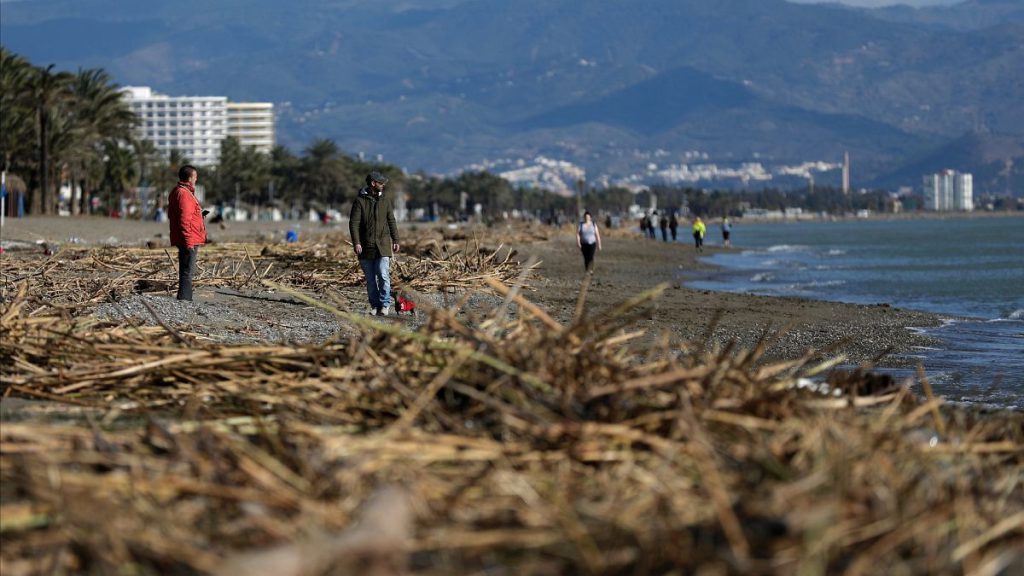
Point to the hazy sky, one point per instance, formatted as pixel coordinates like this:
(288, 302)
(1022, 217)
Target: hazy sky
(876, 3)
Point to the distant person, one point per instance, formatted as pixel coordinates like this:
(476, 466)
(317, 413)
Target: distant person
(588, 240)
(645, 223)
(663, 224)
(374, 234)
(188, 229)
(673, 225)
(726, 231)
(698, 233)
(652, 228)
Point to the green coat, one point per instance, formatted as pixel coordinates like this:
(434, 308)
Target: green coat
(372, 224)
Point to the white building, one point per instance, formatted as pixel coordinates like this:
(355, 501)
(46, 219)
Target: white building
(949, 190)
(192, 125)
(196, 126)
(253, 124)
(558, 176)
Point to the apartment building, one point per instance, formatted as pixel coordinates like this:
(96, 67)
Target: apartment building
(949, 190)
(193, 125)
(252, 123)
(196, 126)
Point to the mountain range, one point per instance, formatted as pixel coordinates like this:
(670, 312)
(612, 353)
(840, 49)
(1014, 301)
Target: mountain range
(609, 85)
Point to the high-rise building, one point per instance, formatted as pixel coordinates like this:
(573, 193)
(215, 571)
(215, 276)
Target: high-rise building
(253, 124)
(196, 126)
(949, 190)
(846, 173)
(192, 125)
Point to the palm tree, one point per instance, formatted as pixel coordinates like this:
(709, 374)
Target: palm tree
(17, 129)
(49, 91)
(322, 170)
(122, 172)
(99, 114)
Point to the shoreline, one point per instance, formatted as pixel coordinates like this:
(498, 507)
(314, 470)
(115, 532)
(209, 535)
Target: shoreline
(877, 216)
(627, 266)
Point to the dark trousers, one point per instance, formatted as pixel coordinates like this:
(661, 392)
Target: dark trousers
(588, 255)
(186, 271)
(698, 240)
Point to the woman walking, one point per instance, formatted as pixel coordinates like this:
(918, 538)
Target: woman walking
(588, 239)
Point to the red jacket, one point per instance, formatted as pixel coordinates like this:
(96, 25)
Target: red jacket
(188, 228)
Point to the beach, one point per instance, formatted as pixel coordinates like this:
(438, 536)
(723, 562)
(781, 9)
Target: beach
(506, 431)
(627, 266)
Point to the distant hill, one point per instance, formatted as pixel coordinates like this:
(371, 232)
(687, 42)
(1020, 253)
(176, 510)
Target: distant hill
(606, 84)
(968, 15)
(996, 161)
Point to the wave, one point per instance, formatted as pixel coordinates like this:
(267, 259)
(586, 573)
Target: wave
(1016, 315)
(836, 252)
(818, 284)
(788, 248)
(762, 277)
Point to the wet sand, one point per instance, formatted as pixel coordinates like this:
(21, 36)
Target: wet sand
(628, 266)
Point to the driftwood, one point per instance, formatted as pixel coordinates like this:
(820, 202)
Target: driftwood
(522, 444)
(376, 546)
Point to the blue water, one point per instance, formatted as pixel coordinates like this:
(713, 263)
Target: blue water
(968, 269)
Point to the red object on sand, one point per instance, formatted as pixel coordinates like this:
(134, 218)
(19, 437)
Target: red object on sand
(405, 305)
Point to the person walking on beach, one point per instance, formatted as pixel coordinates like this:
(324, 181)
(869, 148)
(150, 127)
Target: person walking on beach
(664, 229)
(698, 233)
(374, 233)
(726, 231)
(188, 229)
(652, 228)
(673, 225)
(588, 239)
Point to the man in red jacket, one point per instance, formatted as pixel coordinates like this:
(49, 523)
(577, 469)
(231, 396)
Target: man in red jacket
(188, 229)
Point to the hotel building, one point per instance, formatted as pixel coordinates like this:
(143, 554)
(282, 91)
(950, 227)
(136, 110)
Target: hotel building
(197, 125)
(253, 124)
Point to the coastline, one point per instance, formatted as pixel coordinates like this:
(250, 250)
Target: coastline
(627, 266)
(473, 428)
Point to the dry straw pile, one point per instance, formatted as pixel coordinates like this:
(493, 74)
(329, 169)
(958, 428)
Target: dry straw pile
(499, 443)
(77, 277)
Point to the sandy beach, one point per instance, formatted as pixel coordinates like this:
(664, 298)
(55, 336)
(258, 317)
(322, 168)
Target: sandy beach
(627, 266)
(251, 424)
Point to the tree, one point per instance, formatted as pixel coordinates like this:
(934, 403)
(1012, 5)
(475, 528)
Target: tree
(49, 92)
(122, 172)
(322, 171)
(17, 128)
(242, 169)
(99, 115)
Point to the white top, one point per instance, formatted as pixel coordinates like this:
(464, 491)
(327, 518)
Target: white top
(588, 233)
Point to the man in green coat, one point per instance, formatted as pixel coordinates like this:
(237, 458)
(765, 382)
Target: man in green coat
(375, 239)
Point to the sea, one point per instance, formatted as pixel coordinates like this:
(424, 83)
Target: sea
(969, 270)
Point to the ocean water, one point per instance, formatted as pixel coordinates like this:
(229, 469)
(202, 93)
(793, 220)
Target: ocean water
(970, 270)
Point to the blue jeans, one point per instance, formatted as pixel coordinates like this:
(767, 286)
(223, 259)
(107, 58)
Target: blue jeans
(378, 281)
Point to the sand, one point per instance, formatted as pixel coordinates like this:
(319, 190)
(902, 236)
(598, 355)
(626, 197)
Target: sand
(628, 265)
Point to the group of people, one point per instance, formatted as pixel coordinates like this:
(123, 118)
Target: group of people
(651, 223)
(374, 232)
(588, 236)
(372, 226)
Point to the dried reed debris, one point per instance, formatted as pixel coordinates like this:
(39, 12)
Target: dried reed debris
(524, 445)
